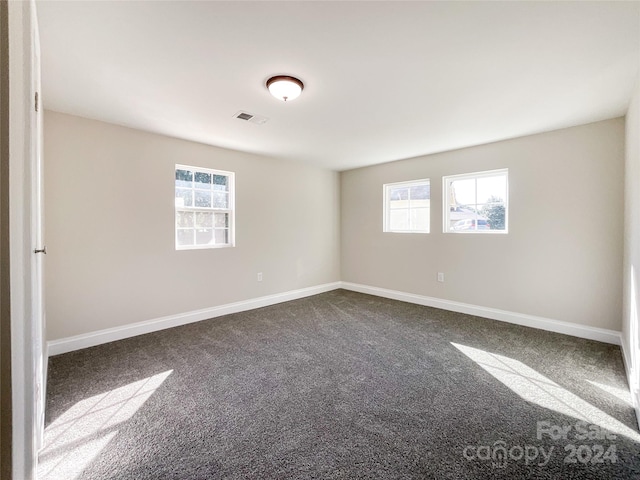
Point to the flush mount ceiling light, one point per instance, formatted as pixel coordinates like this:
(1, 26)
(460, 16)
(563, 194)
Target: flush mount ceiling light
(284, 87)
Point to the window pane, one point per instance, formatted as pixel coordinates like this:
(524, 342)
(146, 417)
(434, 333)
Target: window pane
(420, 203)
(184, 237)
(184, 178)
(204, 219)
(220, 183)
(492, 189)
(184, 219)
(420, 192)
(463, 192)
(222, 236)
(203, 180)
(399, 205)
(203, 199)
(220, 200)
(402, 204)
(495, 213)
(399, 219)
(222, 219)
(204, 236)
(398, 193)
(468, 223)
(184, 198)
(420, 219)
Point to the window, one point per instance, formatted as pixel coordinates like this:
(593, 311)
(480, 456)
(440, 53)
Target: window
(204, 208)
(407, 206)
(476, 202)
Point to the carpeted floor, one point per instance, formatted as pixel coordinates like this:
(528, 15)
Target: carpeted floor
(341, 386)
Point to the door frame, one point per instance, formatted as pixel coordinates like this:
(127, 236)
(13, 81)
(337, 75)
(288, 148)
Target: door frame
(23, 151)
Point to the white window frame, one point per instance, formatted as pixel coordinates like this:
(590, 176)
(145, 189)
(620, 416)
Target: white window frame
(230, 210)
(446, 196)
(386, 188)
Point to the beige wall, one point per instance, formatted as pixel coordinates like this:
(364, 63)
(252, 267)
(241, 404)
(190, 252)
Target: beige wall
(112, 261)
(562, 257)
(110, 228)
(631, 323)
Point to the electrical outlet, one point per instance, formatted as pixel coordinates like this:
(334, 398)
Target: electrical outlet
(260, 276)
(441, 277)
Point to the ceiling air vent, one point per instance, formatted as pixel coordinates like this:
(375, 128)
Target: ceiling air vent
(244, 116)
(250, 117)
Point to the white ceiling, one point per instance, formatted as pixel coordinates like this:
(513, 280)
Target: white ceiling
(383, 80)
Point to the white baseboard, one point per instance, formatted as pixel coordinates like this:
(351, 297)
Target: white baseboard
(77, 342)
(635, 395)
(573, 329)
(69, 344)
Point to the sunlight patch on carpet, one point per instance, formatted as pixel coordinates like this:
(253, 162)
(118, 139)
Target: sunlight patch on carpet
(534, 387)
(77, 436)
(620, 393)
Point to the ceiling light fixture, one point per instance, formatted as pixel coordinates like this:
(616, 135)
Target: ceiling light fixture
(284, 87)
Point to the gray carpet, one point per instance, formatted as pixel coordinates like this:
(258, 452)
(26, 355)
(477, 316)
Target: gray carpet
(341, 386)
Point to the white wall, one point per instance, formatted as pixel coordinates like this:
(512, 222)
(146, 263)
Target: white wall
(562, 257)
(110, 228)
(630, 324)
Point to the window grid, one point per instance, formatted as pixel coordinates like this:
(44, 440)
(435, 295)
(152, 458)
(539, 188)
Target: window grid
(204, 208)
(418, 210)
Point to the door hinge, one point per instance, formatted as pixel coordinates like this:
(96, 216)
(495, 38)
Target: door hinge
(36, 101)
